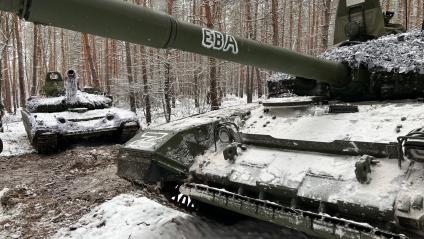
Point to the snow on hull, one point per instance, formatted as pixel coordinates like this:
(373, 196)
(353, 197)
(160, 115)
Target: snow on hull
(290, 169)
(80, 123)
(279, 77)
(375, 122)
(129, 216)
(318, 177)
(205, 118)
(290, 100)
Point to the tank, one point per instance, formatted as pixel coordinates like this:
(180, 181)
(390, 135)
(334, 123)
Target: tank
(336, 152)
(60, 117)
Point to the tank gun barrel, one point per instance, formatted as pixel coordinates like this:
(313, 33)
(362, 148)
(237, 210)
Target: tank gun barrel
(136, 24)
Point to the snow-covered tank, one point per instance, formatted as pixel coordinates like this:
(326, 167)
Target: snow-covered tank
(308, 160)
(53, 122)
(332, 160)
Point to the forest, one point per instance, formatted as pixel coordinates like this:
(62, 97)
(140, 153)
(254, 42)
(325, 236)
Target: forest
(148, 79)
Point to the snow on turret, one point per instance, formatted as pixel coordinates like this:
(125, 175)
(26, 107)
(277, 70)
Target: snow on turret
(401, 53)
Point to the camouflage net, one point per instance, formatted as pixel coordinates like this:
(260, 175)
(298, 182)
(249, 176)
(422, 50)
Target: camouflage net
(402, 53)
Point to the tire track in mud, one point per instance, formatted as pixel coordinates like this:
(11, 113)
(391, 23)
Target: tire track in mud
(40, 194)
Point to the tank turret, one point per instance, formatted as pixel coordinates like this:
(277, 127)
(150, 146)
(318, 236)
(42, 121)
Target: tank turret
(53, 85)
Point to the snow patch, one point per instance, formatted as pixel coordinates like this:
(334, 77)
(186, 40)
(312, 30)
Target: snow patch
(15, 140)
(279, 77)
(130, 216)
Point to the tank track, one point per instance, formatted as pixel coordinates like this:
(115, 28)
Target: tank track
(311, 223)
(46, 144)
(127, 132)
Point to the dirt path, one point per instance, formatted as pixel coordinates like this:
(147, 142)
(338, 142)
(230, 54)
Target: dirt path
(41, 194)
(44, 193)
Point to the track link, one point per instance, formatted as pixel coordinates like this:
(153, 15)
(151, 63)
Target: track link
(311, 223)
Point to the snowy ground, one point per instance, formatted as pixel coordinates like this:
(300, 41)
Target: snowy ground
(47, 192)
(15, 140)
(131, 216)
(63, 196)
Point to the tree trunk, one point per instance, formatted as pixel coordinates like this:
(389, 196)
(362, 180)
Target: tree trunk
(326, 26)
(168, 80)
(249, 31)
(130, 77)
(194, 57)
(114, 61)
(6, 78)
(63, 52)
(146, 95)
(241, 85)
(167, 92)
(14, 80)
(107, 66)
(34, 61)
(283, 25)
(96, 65)
(259, 83)
(5, 67)
(213, 92)
(91, 65)
(291, 23)
(387, 5)
(196, 88)
(299, 27)
(54, 53)
(52, 60)
(274, 12)
(312, 28)
(419, 20)
(401, 12)
(22, 87)
(308, 39)
(173, 85)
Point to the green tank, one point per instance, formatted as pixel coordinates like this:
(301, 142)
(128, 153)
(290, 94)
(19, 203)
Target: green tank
(303, 159)
(61, 117)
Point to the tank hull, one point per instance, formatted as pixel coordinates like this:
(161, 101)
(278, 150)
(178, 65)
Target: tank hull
(52, 135)
(303, 180)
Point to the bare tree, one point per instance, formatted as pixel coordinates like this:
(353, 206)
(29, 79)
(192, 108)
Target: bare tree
(133, 106)
(326, 26)
(213, 92)
(90, 60)
(274, 8)
(34, 60)
(21, 76)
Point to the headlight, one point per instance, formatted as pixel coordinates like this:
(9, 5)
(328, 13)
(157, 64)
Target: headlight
(61, 120)
(110, 116)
